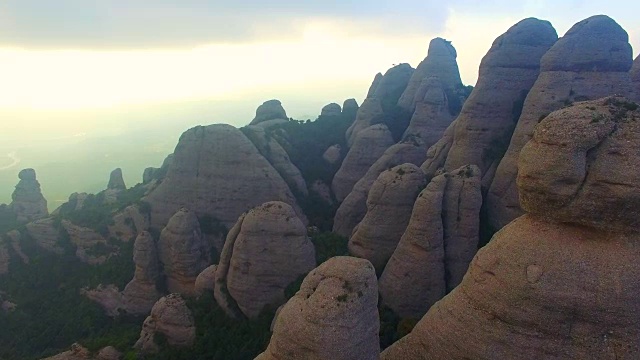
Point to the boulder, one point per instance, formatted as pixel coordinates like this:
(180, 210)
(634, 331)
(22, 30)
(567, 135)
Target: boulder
(389, 206)
(182, 252)
(171, 318)
(269, 110)
(369, 145)
(323, 191)
(333, 154)
(205, 282)
(591, 61)
(440, 62)
(333, 316)
(354, 206)
(27, 201)
(217, 172)
(507, 73)
(558, 282)
(332, 109)
(267, 250)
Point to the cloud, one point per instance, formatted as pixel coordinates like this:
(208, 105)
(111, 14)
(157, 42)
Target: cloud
(166, 23)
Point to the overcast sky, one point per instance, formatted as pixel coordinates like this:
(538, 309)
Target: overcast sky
(65, 55)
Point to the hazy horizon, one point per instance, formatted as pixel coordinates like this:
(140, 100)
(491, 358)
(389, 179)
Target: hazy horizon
(88, 87)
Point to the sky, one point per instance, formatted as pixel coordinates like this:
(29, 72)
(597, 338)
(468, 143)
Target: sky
(69, 68)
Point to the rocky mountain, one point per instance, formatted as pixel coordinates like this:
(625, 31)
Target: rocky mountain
(27, 203)
(171, 318)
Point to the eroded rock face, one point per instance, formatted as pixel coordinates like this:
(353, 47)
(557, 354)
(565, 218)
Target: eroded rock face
(332, 109)
(141, 293)
(172, 318)
(217, 172)
(591, 61)
(369, 113)
(557, 282)
(374, 85)
(441, 62)
(333, 316)
(354, 206)
(128, 223)
(206, 280)
(333, 154)
(368, 147)
(431, 116)
(392, 85)
(389, 207)
(114, 187)
(635, 78)
(278, 157)
(182, 252)
(350, 108)
(91, 247)
(45, 234)
(269, 110)
(507, 73)
(267, 250)
(27, 201)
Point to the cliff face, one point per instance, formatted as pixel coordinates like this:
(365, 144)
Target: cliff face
(557, 282)
(591, 61)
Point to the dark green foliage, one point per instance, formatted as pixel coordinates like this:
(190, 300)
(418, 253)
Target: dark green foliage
(51, 313)
(220, 338)
(211, 225)
(8, 219)
(456, 98)
(97, 215)
(516, 109)
(329, 245)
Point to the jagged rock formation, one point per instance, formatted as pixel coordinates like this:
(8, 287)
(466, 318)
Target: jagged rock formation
(79, 352)
(332, 109)
(206, 280)
(557, 283)
(369, 113)
(374, 85)
(141, 293)
(432, 115)
(591, 61)
(278, 157)
(172, 318)
(91, 247)
(350, 108)
(437, 246)
(217, 172)
(441, 62)
(333, 316)
(487, 119)
(27, 201)
(389, 207)
(354, 206)
(269, 110)
(150, 174)
(128, 223)
(369, 145)
(267, 250)
(114, 187)
(182, 252)
(45, 234)
(381, 100)
(333, 154)
(635, 78)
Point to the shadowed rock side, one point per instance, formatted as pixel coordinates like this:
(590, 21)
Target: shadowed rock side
(439, 243)
(350, 108)
(27, 201)
(370, 144)
(269, 110)
(128, 223)
(635, 78)
(140, 293)
(441, 62)
(4, 257)
(172, 318)
(374, 85)
(332, 109)
(182, 252)
(388, 211)
(79, 352)
(507, 73)
(591, 61)
(488, 117)
(217, 172)
(354, 206)
(431, 116)
(565, 289)
(206, 280)
(278, 157)
(333, 316)
(267, 250)
(333, 154)
(379, 104)
(114, 187)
